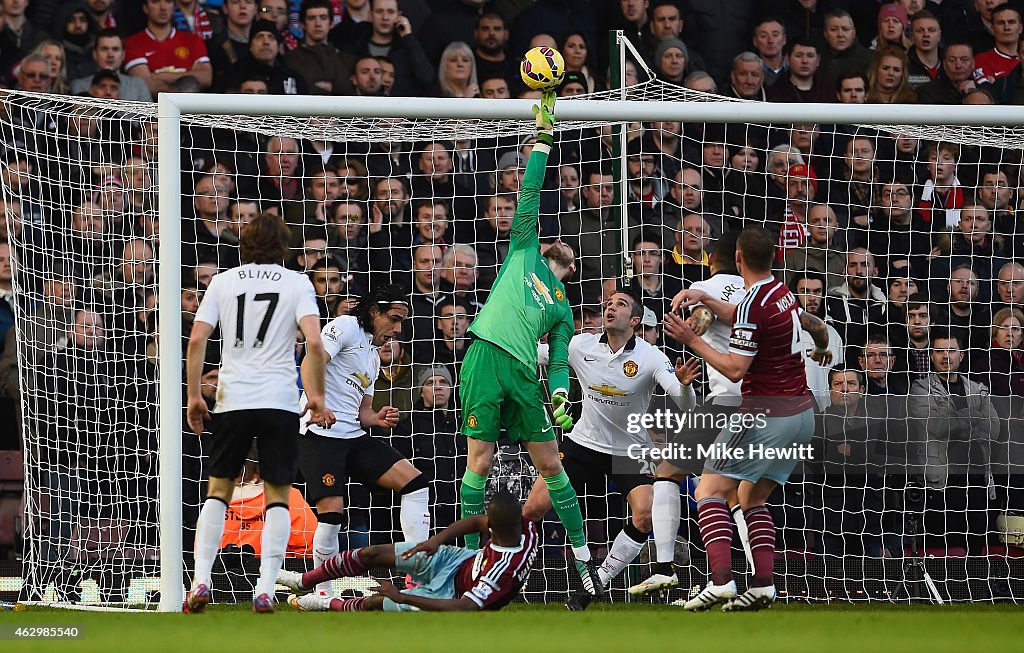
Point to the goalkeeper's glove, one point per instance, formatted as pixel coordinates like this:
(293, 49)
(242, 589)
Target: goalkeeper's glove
(545, 115)
(560, 404)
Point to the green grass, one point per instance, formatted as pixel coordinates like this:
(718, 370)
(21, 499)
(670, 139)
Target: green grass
(619, 628)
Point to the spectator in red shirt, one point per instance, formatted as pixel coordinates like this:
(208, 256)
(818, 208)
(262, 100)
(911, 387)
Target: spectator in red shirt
(161, 55)
(997, 64)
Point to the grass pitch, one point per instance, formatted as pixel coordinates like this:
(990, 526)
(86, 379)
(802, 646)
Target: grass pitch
(615, 628)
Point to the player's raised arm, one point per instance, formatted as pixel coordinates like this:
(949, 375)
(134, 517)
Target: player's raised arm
(677, 381)
(524, 225)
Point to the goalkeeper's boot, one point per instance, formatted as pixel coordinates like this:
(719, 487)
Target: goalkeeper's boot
(754, 599)
(579, 601)
(293, 581)
(311, 602)
(590, 578)
(711, 596)
(263, 604)
(197, 599)
(656, 583)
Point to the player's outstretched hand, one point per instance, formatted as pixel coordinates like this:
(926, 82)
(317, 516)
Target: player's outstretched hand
(319, 413)
(678, 329)
(561, 405)
(198, 414)
(687, 298)
(427, 547)
(387, 417)
(689, 371)
(545, 113)
(822, 358)
(387, 589)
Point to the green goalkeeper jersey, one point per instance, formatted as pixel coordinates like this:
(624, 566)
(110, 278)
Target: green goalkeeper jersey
(527, 300)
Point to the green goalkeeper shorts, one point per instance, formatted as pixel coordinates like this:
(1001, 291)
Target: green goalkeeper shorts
(496, 390)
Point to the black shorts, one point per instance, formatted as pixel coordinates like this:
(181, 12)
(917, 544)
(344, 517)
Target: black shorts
(327, 464)
(275, 432)
(585, 466)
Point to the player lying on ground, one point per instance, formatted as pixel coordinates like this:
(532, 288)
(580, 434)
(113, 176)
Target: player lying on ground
(330, 456)
(260, 303)
(721, 400)
(765, 352)
(453, 578)
(617, 372)
(499, 385)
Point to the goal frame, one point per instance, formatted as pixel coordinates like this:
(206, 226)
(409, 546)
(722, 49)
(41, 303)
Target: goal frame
(172, 106)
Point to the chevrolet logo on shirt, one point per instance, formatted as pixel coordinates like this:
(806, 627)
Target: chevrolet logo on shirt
(609, 390)
(364, 380)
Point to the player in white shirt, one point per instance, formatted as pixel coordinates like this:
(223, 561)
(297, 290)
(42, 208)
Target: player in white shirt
(721, 399)
(617, 372)
(809, 289)
(258, 306)
(331, 455)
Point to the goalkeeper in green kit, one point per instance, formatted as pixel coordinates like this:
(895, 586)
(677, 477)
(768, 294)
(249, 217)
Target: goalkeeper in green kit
(499, 385)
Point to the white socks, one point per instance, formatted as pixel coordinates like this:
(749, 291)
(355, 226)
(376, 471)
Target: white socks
(415, 515)
(741, 528)
(325, 546)
(665, 515)
(624, 550)
(276, 529)
(581, 553)
(209, 531)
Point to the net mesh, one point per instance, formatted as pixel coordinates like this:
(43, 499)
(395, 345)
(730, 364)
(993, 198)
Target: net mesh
(374, 200)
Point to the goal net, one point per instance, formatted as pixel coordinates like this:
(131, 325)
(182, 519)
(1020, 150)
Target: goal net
(879, 228)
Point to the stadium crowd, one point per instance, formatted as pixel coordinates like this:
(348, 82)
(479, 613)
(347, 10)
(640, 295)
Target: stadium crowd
(907, 247)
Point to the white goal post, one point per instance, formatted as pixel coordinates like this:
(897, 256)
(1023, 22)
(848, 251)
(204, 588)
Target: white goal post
(172, 107)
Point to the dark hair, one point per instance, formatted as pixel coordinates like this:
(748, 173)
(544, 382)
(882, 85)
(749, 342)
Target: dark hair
(314, 232)
(916, 301)
(380, 299)
(840, 369)
(758, 249)
(490, 15)
(314, 4)
(805, 42)
(108, 33)
(504, 514)
(265, 240)
(635, 293)
(807, 275)
(431, 202)
(724, 252)
(851, 74)
(943, 333)
(990, 169)
(323, 264)
(768, 19)
(645, 236)
(1006, 6)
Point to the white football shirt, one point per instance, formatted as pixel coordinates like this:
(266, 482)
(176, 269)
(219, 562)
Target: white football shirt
(617, 384)
(817, 376)
(258, 307)
(728, 288)
(351, 373)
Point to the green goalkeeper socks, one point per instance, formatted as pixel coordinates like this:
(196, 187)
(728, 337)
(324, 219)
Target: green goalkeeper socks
(471, 496)
(563, 498)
